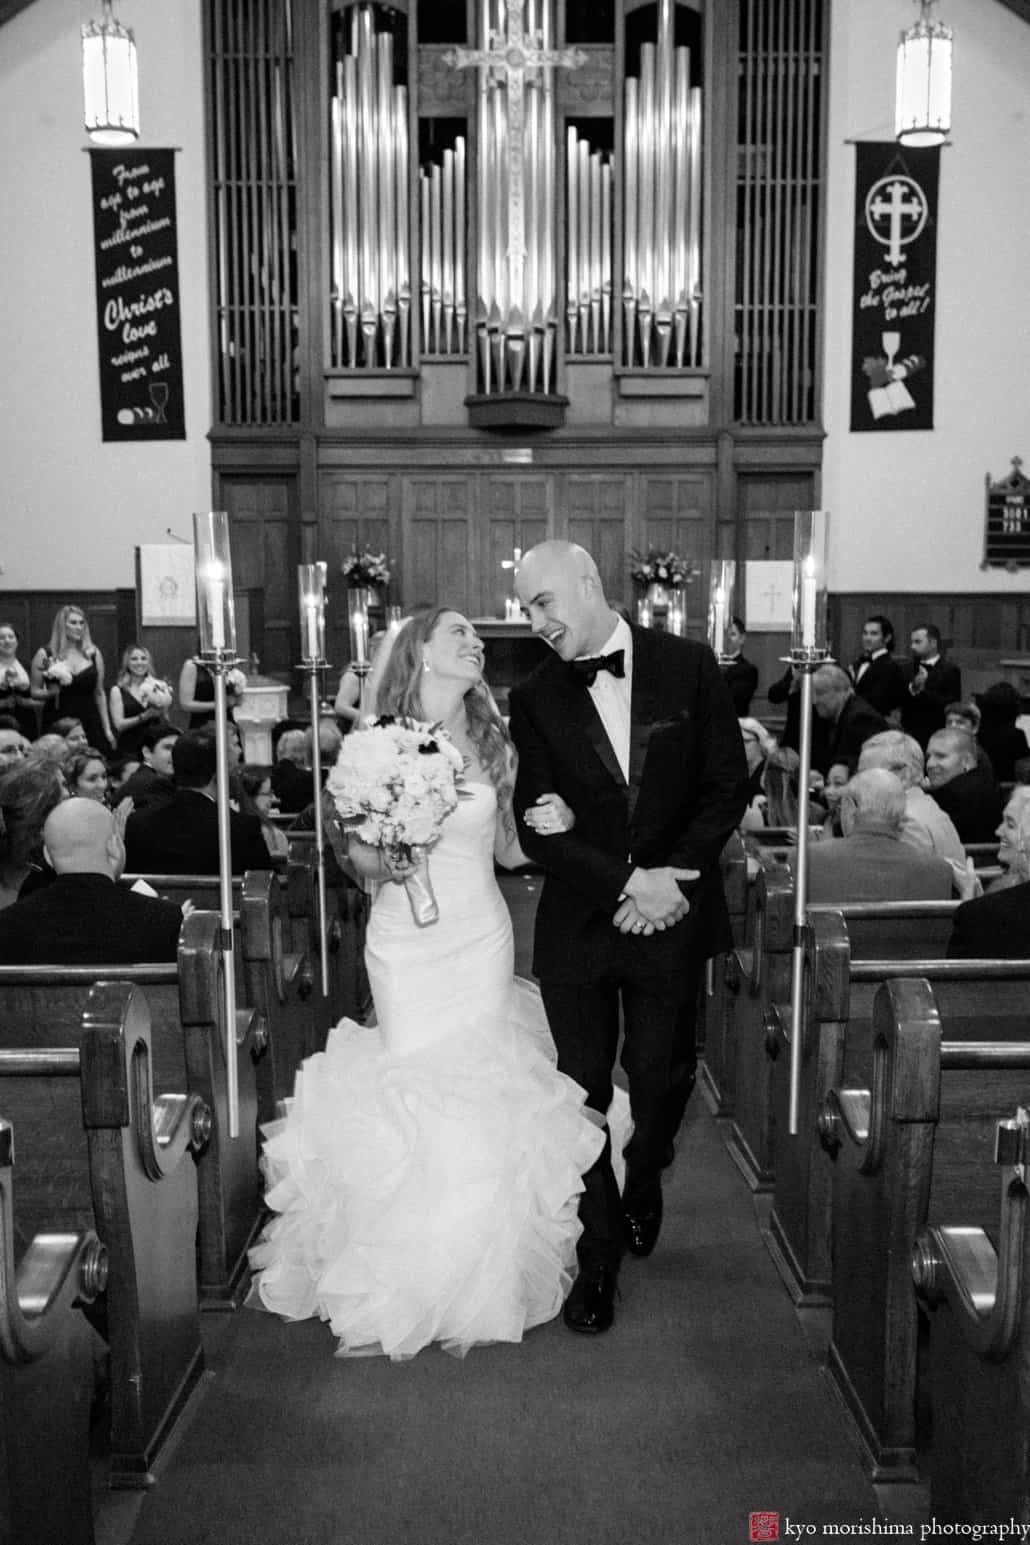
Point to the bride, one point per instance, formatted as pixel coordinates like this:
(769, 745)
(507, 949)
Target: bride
(427, 1173)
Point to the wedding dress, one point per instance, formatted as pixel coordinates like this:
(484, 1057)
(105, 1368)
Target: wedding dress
(427, 1173)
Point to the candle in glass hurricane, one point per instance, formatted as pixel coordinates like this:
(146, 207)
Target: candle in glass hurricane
(311, 582)
(357, 622)
(215, 617)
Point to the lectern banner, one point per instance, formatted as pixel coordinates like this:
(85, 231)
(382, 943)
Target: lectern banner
(137, 269)
(895, 287)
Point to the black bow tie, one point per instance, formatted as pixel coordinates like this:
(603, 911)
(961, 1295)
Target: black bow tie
(865, 659)
(586, 671)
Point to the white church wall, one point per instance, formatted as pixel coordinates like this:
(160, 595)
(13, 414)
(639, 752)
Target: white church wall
(72, 508)
(907, 508)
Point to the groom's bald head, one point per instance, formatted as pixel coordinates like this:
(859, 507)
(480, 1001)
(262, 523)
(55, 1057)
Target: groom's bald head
(559, 585)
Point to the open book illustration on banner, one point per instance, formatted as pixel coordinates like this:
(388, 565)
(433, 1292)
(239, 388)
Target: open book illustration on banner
(887, 375)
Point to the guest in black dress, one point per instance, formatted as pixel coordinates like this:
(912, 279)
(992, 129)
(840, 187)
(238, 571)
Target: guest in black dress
(15, 694)
(67, 677)
(197, 692)
(139, 698)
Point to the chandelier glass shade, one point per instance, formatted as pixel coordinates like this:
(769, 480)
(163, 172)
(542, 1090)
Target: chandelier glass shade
(923, 95)
(110, 82)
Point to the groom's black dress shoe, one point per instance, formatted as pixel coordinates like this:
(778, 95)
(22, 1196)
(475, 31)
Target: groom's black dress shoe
(643, 1222)
(590, 1307)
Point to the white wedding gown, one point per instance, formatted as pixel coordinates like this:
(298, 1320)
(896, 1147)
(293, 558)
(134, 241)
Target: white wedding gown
(427, 1173)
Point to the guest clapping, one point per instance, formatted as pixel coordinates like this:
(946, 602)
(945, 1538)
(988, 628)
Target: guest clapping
(67, 677)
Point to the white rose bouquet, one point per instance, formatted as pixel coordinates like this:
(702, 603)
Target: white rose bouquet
(152, 692)
(57, 672)
(235, 681)
(394, 784)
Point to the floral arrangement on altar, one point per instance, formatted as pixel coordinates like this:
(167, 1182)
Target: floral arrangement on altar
(393, 786)
(655, 567)
(57, 672)
(366, 568)
(152, 692)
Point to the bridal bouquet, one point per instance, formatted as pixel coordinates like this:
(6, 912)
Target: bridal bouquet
(154, 693)
(57, 671)
(394, 784)
(235, 681)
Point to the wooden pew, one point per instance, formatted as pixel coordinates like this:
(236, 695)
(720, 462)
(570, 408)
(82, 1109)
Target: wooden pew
(46, 1376)
(276, 982)
(901, 1152)
(187, 1029)
(977, 1297)
(849, 951)
(715, 1025)
(102, 1150)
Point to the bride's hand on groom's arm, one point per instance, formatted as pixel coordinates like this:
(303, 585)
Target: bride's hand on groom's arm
(549, 816)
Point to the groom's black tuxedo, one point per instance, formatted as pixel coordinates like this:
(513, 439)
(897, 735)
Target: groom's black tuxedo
(685, 793)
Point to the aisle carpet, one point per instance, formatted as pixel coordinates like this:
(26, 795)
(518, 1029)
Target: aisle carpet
(704, 1404)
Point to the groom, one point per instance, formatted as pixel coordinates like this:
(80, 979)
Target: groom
(636, 731)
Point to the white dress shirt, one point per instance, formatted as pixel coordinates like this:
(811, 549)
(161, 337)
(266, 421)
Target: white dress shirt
(612, 695)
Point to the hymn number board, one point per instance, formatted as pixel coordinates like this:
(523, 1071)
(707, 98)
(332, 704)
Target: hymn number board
(1007, 520)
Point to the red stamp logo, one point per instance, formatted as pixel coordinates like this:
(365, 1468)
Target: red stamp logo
(764, 1526)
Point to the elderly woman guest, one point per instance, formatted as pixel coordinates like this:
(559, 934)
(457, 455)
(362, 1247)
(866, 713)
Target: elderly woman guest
(133, 699)
(15, 695)
(67, 677)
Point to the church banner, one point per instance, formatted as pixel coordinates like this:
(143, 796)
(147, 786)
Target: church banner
(895, 285)
(137, 274)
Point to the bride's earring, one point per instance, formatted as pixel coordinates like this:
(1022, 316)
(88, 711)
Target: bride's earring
(426, 666)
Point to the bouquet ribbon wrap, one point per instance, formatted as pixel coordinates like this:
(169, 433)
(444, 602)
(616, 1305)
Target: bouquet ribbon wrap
(419, 889)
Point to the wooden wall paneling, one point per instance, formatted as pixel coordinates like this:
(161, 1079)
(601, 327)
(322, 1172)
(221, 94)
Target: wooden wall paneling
(596, 510)
(358, 512)
(436, 540)
(518, 511)
(265, 553)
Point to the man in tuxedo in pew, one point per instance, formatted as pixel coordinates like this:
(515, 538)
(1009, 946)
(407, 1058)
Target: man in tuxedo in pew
(871, 862)
(636, 731)
(997, 925)
(180, 836)
(847, 718)
(934, 683)
(84, 917)
(876, 674)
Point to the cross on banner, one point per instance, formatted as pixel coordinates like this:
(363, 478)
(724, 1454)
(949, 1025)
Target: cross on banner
(508, 59)
(896, 209)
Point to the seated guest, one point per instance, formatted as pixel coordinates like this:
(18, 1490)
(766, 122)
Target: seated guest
(153, 783)
(291, 775)
(870, 862)
(758, 744)
(180, 836)
(997, 925)
(739, 674)
(330, 739)
(966, 717)
(838, 776)
(50, 748)
(933, 684)
(876, 674)
(119, 770)
(28, 793)
(1000, 736)
(83, 917)
(85, 773)
(963, 790)
(256, 796)
(925, 826)
(13, 744)
(73, 731)
(849, 718)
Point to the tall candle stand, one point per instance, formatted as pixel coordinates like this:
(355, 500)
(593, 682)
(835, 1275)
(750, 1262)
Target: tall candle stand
(311, 583)
(216, 623)
(808, 652)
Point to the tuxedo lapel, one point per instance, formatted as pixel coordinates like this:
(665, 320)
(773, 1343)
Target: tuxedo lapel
(643, 709)
(576, 702)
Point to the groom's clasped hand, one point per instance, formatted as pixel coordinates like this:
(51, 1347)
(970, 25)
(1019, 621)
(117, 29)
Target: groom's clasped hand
(653, 900)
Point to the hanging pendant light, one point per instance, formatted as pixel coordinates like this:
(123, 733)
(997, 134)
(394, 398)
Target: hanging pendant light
(922, 112)
(109, 81)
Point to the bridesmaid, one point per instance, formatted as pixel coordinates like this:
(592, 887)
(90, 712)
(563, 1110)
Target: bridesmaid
(15, 695)
(197, 692)
(131, 711)
(67, 677)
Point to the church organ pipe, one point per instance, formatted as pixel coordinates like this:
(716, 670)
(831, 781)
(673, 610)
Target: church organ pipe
(371, 269)
(442, 213)
(662, 206)
(589, 280)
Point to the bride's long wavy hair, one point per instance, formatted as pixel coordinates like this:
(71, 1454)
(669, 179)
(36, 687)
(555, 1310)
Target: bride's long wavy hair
(399, 692)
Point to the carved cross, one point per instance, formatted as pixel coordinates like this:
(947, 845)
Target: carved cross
(508, 60)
